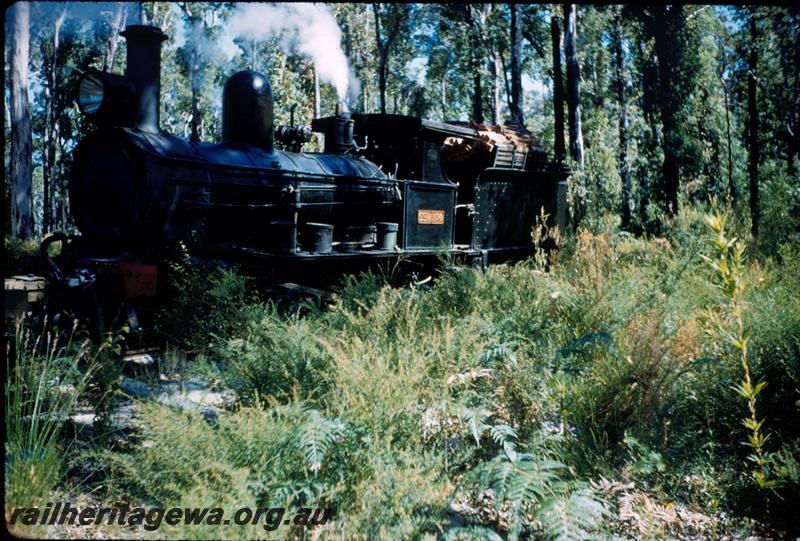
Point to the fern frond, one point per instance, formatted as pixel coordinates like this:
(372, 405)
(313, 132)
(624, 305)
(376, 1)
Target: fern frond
(518, 484)
(572, 515)
(316, 435)
(491, 353)
(505, 436)
(533, 480)
(475, 419)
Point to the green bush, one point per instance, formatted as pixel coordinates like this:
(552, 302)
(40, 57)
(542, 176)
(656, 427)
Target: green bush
(15, 251)
(780, 209)
(200, 306)
(268, 356)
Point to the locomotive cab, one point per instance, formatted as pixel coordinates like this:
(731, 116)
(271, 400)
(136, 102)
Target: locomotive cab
(498, 180)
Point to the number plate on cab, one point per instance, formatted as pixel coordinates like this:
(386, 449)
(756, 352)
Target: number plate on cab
(430, 217)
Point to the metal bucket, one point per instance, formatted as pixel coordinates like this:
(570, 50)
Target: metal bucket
(283, 236)
(387, 235)
(359, 234)
(317, 238)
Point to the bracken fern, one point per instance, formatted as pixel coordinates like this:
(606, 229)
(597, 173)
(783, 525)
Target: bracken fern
(532, 486)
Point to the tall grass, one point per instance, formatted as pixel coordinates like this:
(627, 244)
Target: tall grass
(46, 374)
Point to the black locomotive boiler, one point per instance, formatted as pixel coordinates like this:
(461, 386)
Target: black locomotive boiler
(385, 186)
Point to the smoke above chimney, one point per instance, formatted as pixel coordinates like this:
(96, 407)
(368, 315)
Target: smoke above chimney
(306, 29)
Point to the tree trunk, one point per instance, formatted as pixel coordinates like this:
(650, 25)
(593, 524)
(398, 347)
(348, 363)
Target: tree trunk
(383, 59)
(619, 82)
(725, 91)
(46, 169)
(752, 108)
(496, 78)
(20, 163)
(505, 78)
(793, 124)
(477, 98)
(573, 87)
(444, 96)
(669, 169)
(477, 89)
(670, 51)
(117, 22)
(475, 63)
(644, 195)
(666, 25)
(195, 124)
(558, 88)
(50, 69)
(51, 131)
(317, 99)
(64, 207)
(382, 82)
(198, 24)
(795, 146)
(731, 186)
(59, 186)
(649, 83)
(516, 73)
(195, 106)
(787, 25)
(348, 44)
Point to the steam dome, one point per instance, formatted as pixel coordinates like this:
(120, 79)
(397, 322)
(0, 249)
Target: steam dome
(247, 110)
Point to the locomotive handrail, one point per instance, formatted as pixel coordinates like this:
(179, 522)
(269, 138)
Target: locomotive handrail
(321, 177)
(293, 205)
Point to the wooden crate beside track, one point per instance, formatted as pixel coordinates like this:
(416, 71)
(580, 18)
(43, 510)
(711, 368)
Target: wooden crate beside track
(21, 293)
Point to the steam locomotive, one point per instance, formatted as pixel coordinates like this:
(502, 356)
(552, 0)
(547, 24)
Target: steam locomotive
(385, 187)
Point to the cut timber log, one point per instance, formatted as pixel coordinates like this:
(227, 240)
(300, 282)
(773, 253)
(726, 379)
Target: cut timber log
(511, 142)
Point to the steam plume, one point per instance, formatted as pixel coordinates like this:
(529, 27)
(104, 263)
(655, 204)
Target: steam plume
(306, 29)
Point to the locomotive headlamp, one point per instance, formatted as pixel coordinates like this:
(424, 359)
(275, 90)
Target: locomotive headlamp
(90, 93)
(107, 98)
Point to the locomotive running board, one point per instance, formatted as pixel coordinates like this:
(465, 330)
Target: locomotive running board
(352, 255)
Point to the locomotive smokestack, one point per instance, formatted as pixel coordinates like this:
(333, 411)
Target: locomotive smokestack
(343, 130)
(338, 129)
(144, 69)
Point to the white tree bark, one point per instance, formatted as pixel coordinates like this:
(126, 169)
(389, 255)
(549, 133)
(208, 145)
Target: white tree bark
(21, 166)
